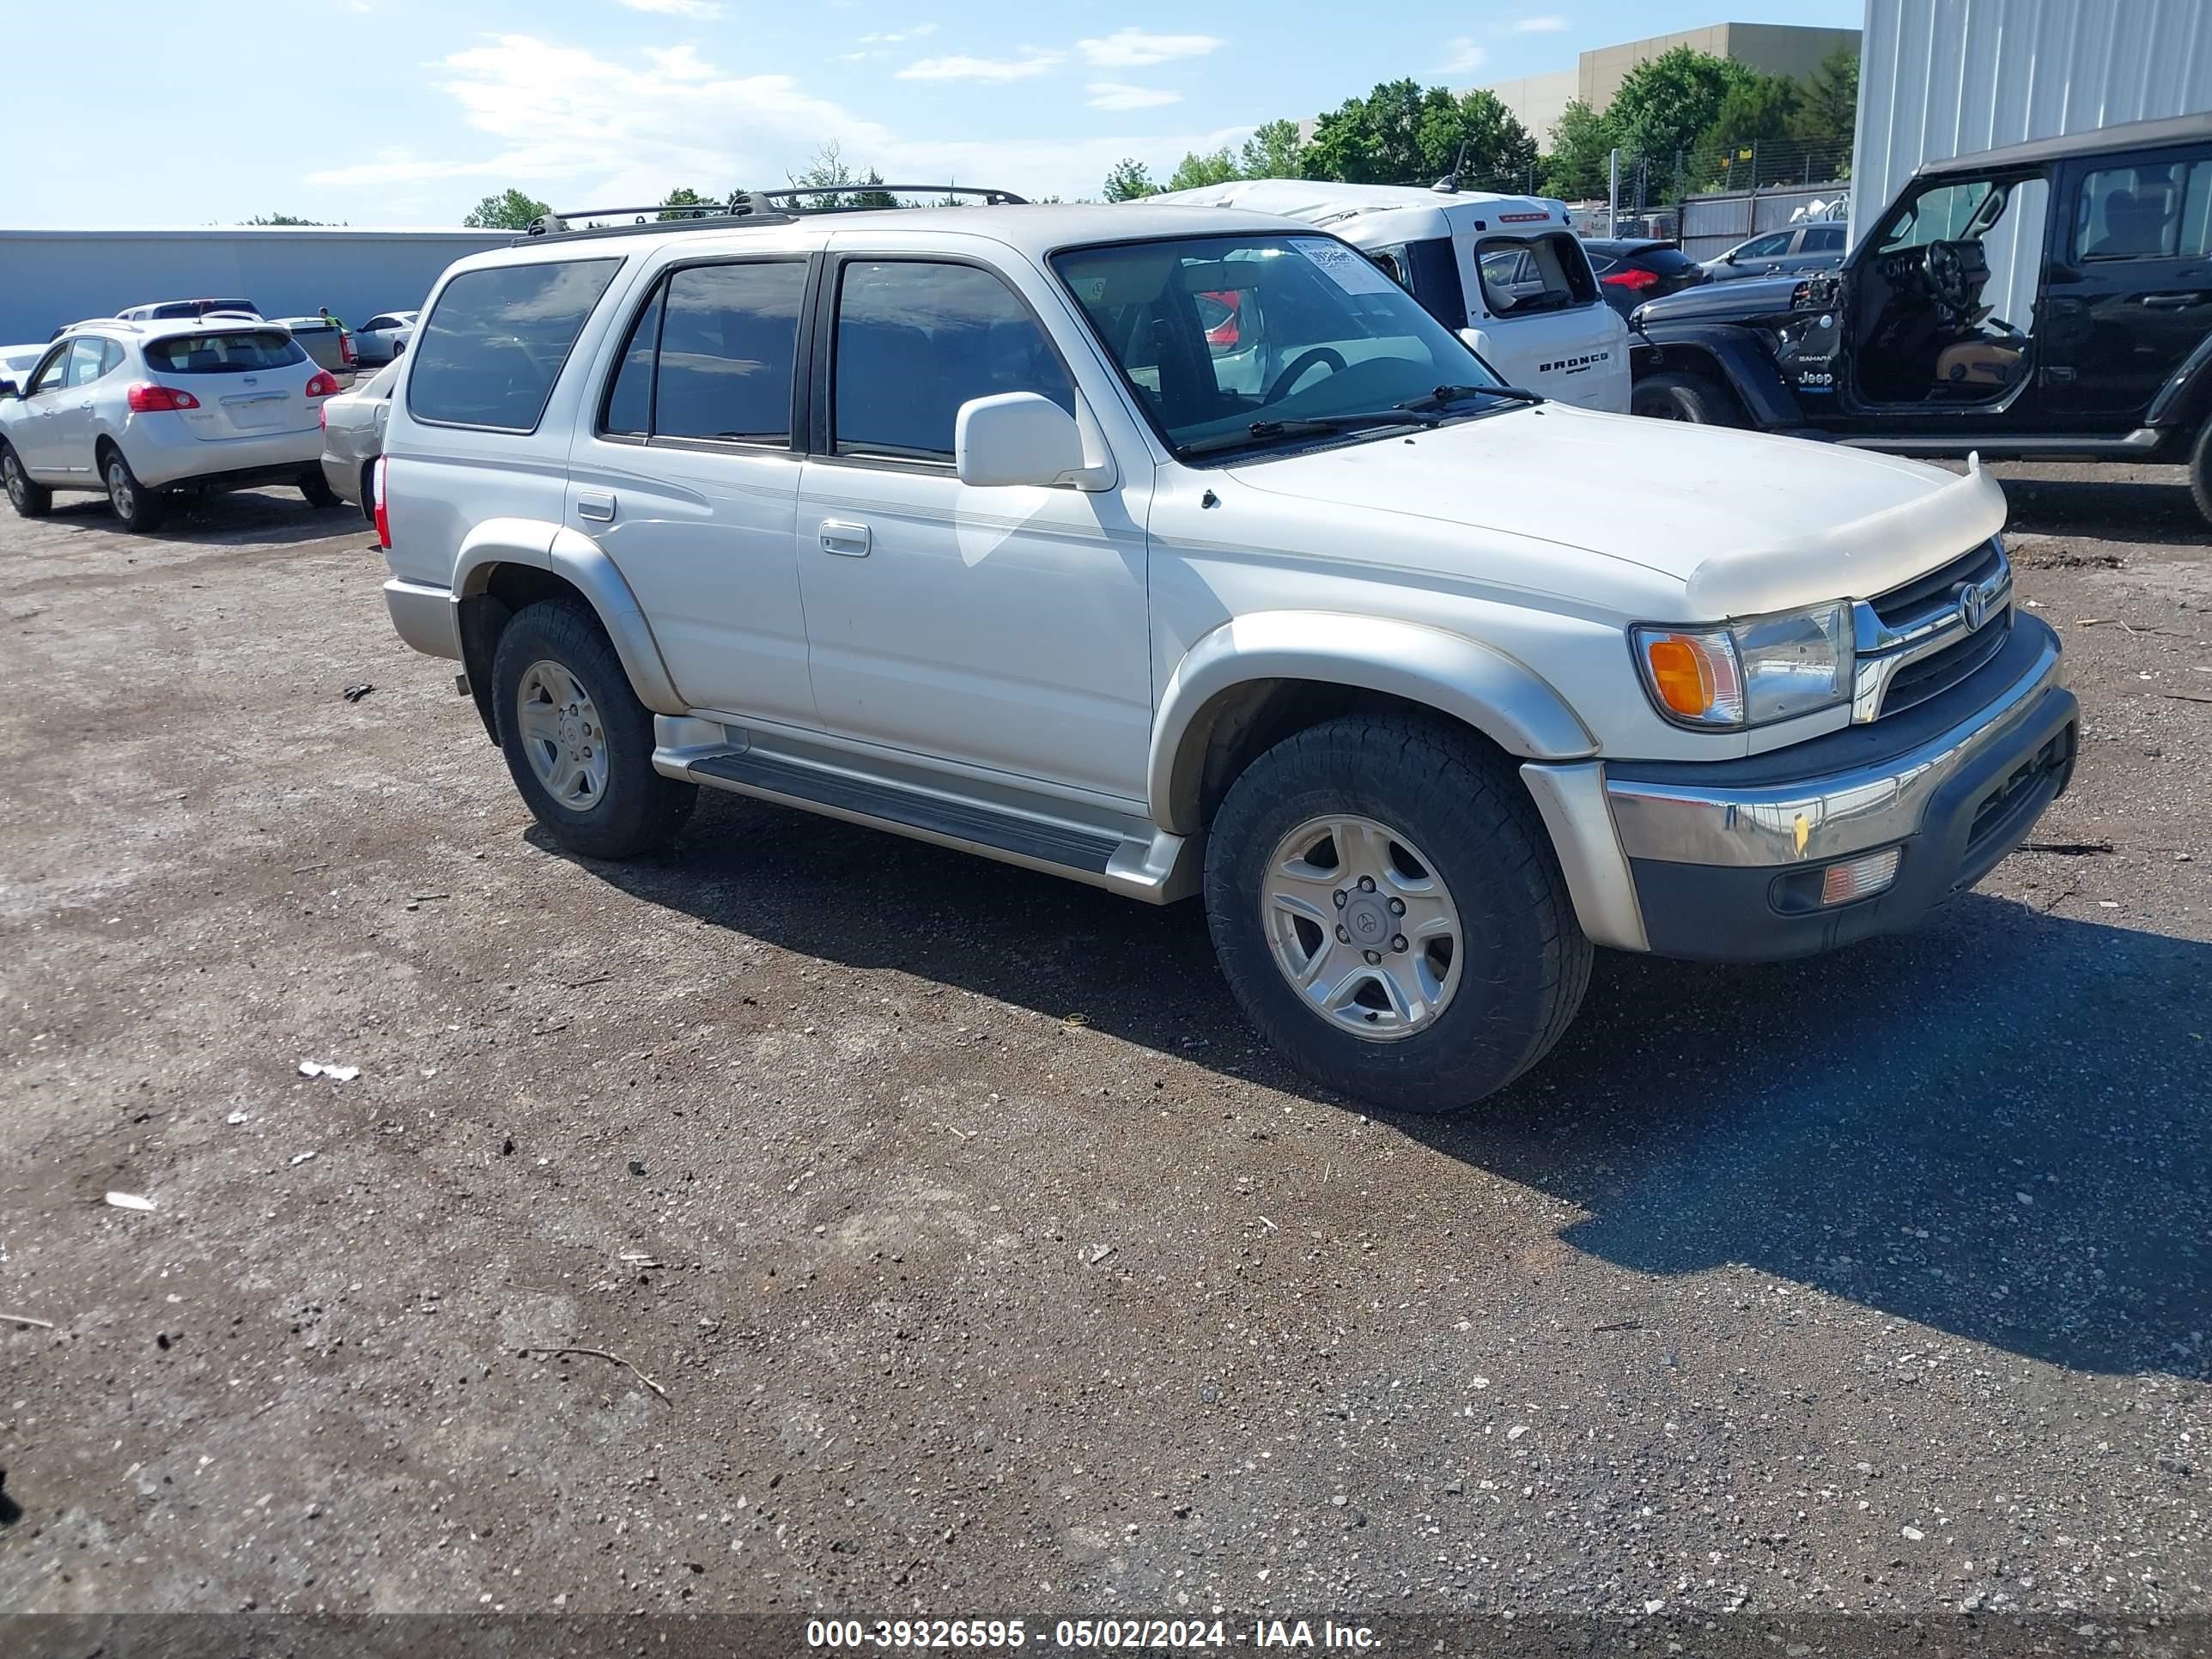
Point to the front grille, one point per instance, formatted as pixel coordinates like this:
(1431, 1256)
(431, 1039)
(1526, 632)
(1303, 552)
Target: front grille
(1938, 672)
(1923, 595)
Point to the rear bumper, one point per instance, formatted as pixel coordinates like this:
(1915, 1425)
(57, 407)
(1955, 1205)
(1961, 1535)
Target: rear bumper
(161, 459)
(343, 475)
(423, 615)
(1725, 861)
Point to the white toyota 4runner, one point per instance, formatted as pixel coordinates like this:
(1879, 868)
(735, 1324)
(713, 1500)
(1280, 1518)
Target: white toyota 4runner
(944, 521)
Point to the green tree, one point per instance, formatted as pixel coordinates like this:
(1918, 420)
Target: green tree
(509, 210)
(1579, 164)
(684, 197)
(1499, 153)
(1758, 109)
(1129, 179)
(1375, 140)
(1272, 152)
(1829, 111)
(1196, 170)
(1666, 106)
(282, 219)
(827, 168)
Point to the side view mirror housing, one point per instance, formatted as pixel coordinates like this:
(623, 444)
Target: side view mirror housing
(1017, 438)
(8, 389)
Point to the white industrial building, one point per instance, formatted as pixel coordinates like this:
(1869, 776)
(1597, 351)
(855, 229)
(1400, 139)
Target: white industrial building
(1939, 78)
(49, 278)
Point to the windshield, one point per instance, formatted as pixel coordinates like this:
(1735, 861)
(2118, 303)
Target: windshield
(1220, 335)
(1949, 213)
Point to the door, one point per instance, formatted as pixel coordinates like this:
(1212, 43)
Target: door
(2129, 292)
(46, 442)
(686, 478)
(71, 428)
(1000, 628)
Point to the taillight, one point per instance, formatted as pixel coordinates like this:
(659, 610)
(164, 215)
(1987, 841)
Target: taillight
(1634, 277)
(323, 416)
(383, 518)
(321, 384)
(147, 398)
(345, 347)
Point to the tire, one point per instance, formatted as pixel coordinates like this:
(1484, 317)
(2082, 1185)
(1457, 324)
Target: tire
(1669, 396)
(136, 507)
(2200, 471)
(30, 500)
(317, 489)
(1451, 812)
(599, 794)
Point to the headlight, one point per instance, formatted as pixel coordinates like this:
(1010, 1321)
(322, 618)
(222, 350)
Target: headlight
(1749, 673)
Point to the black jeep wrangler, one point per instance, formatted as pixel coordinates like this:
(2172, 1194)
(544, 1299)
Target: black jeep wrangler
(2101, 243)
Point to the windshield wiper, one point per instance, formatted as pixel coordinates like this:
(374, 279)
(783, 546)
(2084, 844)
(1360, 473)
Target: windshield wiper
(1304, 426)
(1452, 394)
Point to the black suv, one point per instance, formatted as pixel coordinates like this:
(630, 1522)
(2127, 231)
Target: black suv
(2103, 245)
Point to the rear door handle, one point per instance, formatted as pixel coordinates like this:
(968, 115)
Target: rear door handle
(596, 504)
(2172, 301)
(846, 539)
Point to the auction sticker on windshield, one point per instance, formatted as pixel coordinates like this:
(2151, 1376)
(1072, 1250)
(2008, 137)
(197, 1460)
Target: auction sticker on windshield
(1351, 271)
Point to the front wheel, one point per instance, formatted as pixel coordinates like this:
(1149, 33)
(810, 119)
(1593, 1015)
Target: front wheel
(578, 741)
(29, 499)
(137, 507)
(2200, 471)
(1387, 911)
(1669, 396)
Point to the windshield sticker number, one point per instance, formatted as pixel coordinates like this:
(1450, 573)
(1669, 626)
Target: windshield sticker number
(1351, 271)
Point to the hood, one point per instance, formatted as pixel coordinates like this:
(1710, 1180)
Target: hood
(1746, 522)
(1729, 302)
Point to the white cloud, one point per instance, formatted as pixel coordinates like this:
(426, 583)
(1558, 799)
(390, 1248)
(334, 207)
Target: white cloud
(1541, 26)
(702, 10)
(959, 68)
(1465, 57)
(573, 127)
(1116, 95)
(679, 63)
(1134, 49)
(918, 32)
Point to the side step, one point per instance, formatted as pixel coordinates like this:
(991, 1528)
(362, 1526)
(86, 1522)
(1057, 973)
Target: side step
(1122, 852)
(886, 804)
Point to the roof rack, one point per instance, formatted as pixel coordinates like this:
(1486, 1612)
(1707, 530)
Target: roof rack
(750, 207)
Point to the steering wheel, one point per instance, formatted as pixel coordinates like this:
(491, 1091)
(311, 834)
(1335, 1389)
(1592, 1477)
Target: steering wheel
(1947, 275)
(1299, 364)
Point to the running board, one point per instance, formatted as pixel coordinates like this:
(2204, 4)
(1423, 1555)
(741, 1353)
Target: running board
(1158, 868)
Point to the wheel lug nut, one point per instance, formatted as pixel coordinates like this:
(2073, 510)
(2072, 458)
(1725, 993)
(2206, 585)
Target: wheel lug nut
(1339, 898)
(1344, 936)
(1397, 907)
(1373, 957)
(1367, 884)
(1398, 943)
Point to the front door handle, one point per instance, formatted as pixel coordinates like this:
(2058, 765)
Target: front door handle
(846, 539)
(596, 504)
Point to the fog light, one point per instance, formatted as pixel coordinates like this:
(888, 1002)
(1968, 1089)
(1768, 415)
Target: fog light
(1859, 879)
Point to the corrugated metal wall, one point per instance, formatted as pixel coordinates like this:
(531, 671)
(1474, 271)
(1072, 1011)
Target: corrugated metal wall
(1939, 78)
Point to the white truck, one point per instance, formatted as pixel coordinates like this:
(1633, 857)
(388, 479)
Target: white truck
(953, 523)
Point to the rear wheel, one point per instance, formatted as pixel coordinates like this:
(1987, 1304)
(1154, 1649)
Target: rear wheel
(317, 489)
(578, 743)
(32, 500)
(1388, 912)
(2200, 470)
(1673, 395)
(137, 507)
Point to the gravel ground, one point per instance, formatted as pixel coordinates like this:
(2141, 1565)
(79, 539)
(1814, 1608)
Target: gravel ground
(956, 1247)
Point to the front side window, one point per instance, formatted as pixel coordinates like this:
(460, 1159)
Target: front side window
(498, 339)
(2147, 211)
(1323, 336)
(916, 339)
(48, 376)
(1766, 247)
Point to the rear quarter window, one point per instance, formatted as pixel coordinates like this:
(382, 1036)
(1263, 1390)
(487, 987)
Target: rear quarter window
(1541, 273)
(498, 339)
(236, 352)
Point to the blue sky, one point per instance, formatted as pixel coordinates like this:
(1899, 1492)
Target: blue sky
(405, 112)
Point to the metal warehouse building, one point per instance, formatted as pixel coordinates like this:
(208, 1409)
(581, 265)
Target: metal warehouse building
(1939, 78)
(52, 277)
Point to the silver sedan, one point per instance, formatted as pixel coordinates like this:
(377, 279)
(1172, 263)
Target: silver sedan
(353, 434)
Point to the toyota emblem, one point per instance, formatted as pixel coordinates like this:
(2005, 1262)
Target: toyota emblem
(1973, 605)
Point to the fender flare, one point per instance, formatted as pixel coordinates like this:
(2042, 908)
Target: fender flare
(1499, 696)
(2187, 394)
(1741, 364)
(583, 564)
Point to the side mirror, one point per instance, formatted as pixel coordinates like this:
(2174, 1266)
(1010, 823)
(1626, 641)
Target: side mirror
(8, 389)
(1016, 438)
(1472, 339)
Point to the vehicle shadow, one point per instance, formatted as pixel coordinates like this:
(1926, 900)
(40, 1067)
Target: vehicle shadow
(2146, 510)
(1996, 1127)
(276, 515)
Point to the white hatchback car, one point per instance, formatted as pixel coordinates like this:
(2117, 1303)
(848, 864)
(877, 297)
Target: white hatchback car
(141, 411)
(384, 336)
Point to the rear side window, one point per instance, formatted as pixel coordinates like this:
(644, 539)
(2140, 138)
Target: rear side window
(727, 342)
(223, 354)
(2149, 211)
(915, 340)
(1546, 273)
(1823, 238)
(492, 350)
